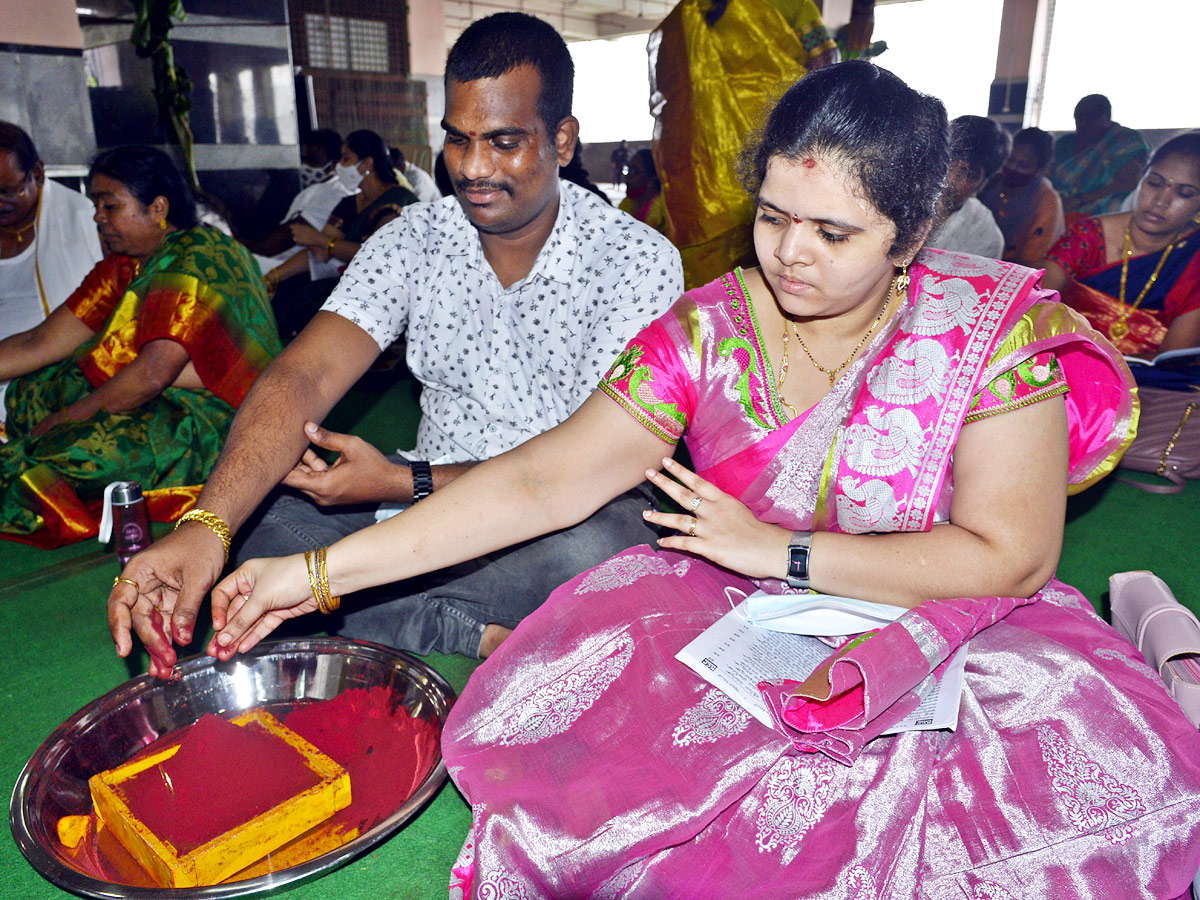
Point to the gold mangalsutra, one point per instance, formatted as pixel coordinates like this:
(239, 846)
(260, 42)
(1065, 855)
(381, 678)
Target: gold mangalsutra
(833, 373)
(1120, 327)
(17, 232)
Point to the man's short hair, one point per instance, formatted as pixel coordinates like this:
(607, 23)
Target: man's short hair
(325, 138)
(1040, 142)
(14, 139)
(499, 43)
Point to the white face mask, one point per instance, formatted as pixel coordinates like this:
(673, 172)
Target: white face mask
(350, 176)
(313, 174)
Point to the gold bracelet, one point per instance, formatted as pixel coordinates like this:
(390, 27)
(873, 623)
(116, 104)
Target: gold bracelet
(332, 243)
(213, 522)
(313, 584)
(323, 576)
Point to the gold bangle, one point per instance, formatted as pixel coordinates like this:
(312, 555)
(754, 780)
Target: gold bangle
(323, 575)
(213, 522)
(313, 584)
(332, 243)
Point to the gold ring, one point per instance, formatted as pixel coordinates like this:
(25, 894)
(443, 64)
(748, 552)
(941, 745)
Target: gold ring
(245, 598)
(692, 529)
(122, 579)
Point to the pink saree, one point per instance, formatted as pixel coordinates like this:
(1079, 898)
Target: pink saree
(597, 766)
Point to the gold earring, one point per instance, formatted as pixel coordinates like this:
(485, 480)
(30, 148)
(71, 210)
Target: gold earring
(162, 224)
(902, 280)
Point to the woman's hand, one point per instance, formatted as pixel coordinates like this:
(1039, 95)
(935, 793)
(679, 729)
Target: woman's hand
(251, 602)
(304, 235)
(55, 418)
(717, 526)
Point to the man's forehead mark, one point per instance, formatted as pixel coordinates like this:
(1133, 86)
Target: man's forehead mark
(808, 162)
(471, 134)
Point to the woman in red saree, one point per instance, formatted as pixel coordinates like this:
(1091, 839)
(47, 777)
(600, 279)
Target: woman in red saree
(866, 420)
(1136, 275)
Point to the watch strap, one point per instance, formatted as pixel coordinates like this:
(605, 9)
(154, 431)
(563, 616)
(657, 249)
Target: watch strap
(422, 479)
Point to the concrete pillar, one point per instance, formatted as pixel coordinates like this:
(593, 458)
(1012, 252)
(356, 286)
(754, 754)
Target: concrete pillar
(427, 59)
(1015, 95)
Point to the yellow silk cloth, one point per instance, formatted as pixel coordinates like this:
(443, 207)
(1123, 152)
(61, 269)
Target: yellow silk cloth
(712, 88)
(1146, 330)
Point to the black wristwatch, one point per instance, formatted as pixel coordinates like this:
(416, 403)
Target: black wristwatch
(799, 550)
(422, 478)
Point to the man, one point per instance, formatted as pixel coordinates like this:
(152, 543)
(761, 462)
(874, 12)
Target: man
(419, 181)
(514, 296)
(48, 241)
(322, 190)
(979, 149)
(1027, 208)
(1098, 163)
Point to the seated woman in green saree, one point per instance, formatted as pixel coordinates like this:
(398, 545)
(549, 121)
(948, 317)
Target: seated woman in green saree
(138, 374)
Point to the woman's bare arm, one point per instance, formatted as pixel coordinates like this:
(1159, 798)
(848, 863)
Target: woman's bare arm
(47, 342)
(1006, 521)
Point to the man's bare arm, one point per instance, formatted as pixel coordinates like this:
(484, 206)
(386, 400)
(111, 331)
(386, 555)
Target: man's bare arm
(267, 438)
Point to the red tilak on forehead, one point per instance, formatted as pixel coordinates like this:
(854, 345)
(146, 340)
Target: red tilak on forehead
(796, 220)
(808, 162)
(471, 133)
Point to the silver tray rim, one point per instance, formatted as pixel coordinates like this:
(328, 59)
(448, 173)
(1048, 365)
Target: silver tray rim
(54, 869)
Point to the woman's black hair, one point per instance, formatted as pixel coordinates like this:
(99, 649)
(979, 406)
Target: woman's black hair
(647, 159)
(893, 139)
(1186, 144)
(1040, 142)
(980, 143)
(364, 143)
(14, 139)
(575, 173)
(148, 173)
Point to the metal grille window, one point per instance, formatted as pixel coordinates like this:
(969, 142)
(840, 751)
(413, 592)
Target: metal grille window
(340, 42)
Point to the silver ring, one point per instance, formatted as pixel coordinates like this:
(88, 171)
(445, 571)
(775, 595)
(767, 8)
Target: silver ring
(692, 528)
(696, 501)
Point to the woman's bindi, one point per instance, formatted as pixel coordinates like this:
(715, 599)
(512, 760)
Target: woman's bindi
(808, 162)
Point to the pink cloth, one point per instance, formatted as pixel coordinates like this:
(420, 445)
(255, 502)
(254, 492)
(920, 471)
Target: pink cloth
(599, 766)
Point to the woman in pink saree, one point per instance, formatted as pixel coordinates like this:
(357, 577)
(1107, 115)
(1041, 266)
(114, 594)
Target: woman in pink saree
(872, 422)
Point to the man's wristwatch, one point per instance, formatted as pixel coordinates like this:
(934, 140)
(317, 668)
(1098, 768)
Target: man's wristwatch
(799, 550)
(422, 478)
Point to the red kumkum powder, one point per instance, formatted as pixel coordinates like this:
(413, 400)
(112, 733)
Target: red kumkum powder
(222, 776)
(387, 753)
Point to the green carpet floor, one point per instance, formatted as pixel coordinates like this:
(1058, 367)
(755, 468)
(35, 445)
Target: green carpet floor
(57, 655)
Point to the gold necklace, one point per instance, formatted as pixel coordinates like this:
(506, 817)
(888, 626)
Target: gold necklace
(833, 373)
(18, 231)
(1120, 327)
(783, 370)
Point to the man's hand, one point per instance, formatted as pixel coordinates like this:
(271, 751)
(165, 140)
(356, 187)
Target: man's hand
(169, 581)
(360, 474)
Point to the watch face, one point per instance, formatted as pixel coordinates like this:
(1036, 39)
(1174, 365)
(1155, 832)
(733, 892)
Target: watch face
(798, 565)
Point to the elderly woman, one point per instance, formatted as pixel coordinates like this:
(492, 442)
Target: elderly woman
(138, 374)
(1136, 275)
(866, 420)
